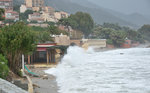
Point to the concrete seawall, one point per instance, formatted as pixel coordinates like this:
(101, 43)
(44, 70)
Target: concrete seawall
(7, 87)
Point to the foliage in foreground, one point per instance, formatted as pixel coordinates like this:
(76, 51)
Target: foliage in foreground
(16, 39)
(3, 67)
(2, 11)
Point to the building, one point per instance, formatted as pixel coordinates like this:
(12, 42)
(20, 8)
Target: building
(74, 34)
(62, 40)
(34, 3)
(12, 15)
(37, 3)
(48, 9)
(48, 17)
(59, 15)
(44, 54)
(39, 25)
(6, 4)
(35, 17)
(28, 3)
(23, 8)
(95, 43)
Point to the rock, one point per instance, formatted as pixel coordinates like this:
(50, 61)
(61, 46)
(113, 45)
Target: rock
(34, 85)
(45, 77)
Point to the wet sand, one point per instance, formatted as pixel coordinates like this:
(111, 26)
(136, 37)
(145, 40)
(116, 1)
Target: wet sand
(45, 83)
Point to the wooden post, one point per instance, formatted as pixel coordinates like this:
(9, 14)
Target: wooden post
(47, 57)
(23, 65)
(28, 59)
(54, 56)
(31, 60)
(50, 57)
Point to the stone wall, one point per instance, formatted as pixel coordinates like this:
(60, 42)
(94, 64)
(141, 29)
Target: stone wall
(97, 42)
(7, 87)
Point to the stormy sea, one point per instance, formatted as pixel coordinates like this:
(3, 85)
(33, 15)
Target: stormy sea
(115, 71)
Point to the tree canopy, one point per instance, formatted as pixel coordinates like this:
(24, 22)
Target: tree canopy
(116, 34)
(115, 37)
(43, 34)
(145, 31)
(16, 39)
(80, 21)
(24, 16)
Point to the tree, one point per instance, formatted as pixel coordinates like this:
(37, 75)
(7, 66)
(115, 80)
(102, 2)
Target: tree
(17, 8)
(24, 16)
(112, 26)
(43, 36)
(85, 22)
(2, 11)
(117, 37)
(145, 31)
(3, 67)
(53, 30)
(16, 39)
(80, 21)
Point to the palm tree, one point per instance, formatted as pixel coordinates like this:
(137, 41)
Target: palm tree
(2, 11)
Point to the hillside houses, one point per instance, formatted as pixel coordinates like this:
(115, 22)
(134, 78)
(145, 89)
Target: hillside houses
(12, 15)
(7, 5)
(35, 17)
(41, 13)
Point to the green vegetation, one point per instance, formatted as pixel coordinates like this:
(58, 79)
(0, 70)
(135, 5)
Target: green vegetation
(53, 30)
(115, 37)
(10, 21)
(43, 34)
(17, 8)
(80, 21)
(24, 16)
(16, 39)
(116, 34)
(145, 31)
(2, 11)
(3, 67)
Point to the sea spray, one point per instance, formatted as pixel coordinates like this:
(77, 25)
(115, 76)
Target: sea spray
(117, 71)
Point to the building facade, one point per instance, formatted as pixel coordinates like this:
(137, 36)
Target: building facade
(6, 4)
(28, 3)
(59, 15)
(44, 54)
(35, 17)
(34, 3)
(12, 15)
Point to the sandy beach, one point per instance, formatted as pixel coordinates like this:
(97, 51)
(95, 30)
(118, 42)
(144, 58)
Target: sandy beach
(45, 83)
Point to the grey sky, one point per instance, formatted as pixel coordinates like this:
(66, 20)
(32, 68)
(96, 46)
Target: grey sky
(126, 6)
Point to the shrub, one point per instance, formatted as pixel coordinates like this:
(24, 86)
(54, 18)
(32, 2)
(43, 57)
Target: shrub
(3, 67)
(109, 42)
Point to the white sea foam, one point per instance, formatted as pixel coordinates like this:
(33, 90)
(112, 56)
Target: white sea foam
(117, 71)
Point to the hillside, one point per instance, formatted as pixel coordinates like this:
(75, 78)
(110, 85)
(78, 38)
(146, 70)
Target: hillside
(99, 14)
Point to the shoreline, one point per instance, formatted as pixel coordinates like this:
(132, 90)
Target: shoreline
(46, 83)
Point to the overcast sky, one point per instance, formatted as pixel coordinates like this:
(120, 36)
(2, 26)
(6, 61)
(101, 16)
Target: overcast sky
(126, 6)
